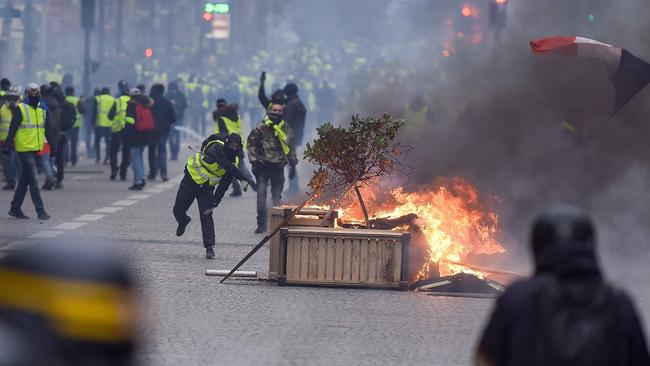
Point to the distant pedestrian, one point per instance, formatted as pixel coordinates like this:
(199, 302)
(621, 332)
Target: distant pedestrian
(9, 161)
(137, 130)
(102, 124)
(566, 314)
(118, 115)
(295, 114)
(179, 101)
(164, 118)
(80, 109)
(29, 125)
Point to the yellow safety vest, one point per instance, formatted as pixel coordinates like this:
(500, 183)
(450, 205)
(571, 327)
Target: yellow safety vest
(414, 118)
(5, 121)
(120, 113)
(75, 102)
(104, 104)
(202, 172)
(31, 131)
(231, 126)
(2, 93)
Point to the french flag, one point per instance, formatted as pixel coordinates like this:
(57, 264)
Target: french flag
(629, 73)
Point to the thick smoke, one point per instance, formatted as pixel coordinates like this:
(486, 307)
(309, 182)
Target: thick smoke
(497, 111)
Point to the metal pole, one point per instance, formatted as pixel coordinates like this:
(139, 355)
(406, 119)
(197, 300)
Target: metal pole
(86, 77)
(119, 27)
(101, 29)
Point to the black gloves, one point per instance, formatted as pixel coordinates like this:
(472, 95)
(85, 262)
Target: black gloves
(263, 77)
(292, 171)
(52, 152)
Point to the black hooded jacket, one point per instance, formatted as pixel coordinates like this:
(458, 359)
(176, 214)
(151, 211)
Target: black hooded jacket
(566, 314)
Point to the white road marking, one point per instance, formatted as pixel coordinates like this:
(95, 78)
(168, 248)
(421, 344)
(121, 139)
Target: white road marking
(164, 186)
(80, 177)
(138, 196)
(69, 226)
(124, 203)
(18, 244)
(89, 217)
(46, 234)
(153, 190)
(111, 209)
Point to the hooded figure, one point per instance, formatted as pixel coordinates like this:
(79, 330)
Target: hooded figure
(566, 314)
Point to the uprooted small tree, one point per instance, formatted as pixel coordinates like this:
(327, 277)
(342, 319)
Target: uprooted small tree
(356, 155)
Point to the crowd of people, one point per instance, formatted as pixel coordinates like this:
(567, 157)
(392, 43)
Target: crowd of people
(45, 123)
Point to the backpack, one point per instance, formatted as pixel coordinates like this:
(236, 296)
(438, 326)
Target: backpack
(143, 118)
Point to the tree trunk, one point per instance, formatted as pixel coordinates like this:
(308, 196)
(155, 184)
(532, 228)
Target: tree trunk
(363, 206)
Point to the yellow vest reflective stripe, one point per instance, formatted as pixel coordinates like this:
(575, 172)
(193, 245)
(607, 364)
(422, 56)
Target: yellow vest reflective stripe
(5, 121)
(120, 113)
(75, 102)
(31, 131)
(104, 104)
(202, 172)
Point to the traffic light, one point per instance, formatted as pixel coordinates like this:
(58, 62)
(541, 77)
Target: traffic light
(216, 8)
(148, 52)
(497, 14)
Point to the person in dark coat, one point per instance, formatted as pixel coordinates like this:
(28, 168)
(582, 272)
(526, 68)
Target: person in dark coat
(164, 117)
(179, 101)
(294, 114)
(136, 140)
(566, 314)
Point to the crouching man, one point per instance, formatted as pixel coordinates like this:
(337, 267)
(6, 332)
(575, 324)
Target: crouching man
(214, 165)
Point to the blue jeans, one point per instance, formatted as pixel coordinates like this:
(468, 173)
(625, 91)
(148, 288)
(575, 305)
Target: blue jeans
(28, 177)
(46, 163)
(137, 162)
(10, 167)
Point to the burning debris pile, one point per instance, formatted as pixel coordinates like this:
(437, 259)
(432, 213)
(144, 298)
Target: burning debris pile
(448, 223)
(447, 220)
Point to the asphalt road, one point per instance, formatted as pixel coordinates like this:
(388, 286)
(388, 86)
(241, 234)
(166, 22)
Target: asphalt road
(191, 319)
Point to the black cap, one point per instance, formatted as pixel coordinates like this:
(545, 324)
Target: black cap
(291, 89)
(221, 101)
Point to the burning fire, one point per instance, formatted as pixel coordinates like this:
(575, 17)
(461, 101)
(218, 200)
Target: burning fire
(450, 216)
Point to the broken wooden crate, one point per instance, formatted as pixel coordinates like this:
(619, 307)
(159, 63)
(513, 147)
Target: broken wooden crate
(343, 257)
(307, 217)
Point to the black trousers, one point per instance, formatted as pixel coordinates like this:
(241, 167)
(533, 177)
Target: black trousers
(74, 144)
(117, 142)
(268, 175)
(59, 158)
(187, 193)
(102, 132)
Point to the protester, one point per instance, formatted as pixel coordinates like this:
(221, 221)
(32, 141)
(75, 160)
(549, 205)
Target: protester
(164, 117)
(179, 101)
(137, 133)
(567, 313)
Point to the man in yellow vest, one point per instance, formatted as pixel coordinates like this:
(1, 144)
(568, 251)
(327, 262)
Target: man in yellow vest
(9, 163)
(29, 126)
(214, 165)
(102, 124)
(5, 84)
(269, 151)
(228, 120)
(79, 106)
(118, 115)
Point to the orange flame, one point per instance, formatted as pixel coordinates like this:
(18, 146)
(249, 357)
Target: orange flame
(451, 217)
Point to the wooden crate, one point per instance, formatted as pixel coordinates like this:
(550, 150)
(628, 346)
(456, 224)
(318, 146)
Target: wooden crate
(344, 257)
(308, 217)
